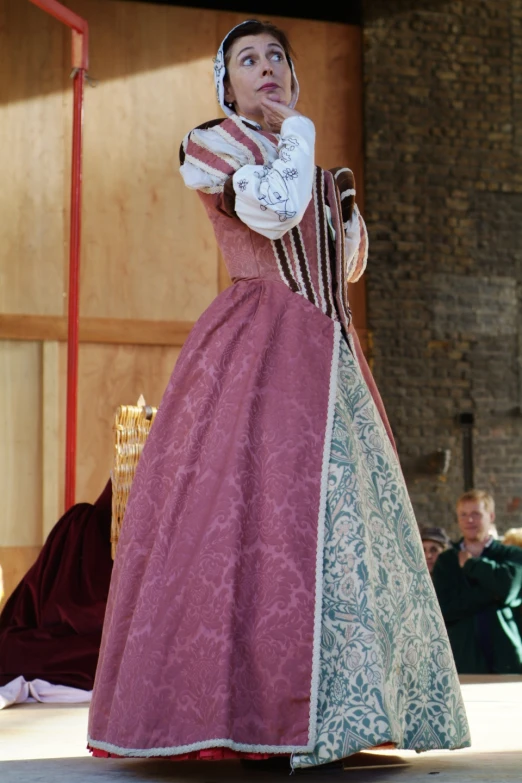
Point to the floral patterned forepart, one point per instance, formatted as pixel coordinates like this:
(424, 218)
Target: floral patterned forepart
(387, 672)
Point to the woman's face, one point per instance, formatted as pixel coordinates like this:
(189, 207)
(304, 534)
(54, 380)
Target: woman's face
(257, 67)
(432, 549)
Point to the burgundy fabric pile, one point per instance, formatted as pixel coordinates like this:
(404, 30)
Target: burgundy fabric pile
(51, 626)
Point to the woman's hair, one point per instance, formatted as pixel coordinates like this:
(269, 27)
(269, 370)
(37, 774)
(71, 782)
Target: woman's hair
(513, 537)
(254, 27)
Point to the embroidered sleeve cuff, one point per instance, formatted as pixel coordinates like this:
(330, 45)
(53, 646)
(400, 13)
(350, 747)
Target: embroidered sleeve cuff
(300, 124)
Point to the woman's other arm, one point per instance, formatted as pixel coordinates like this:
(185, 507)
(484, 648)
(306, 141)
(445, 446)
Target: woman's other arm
(355, 234)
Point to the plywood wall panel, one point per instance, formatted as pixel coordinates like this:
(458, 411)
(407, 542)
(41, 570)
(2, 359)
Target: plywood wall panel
(148, 248)
(20, 443)
(15, 561)
(31, 161)
(148, 251)
(113, 375)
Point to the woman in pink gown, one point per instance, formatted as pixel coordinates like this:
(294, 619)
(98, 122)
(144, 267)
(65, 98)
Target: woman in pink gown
(270, 594)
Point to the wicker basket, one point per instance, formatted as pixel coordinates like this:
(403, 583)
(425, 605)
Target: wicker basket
(131, 428)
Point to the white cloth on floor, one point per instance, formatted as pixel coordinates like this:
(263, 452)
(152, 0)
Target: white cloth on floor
(20, 690)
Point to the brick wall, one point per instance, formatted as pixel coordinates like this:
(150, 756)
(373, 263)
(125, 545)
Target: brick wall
(443, 123)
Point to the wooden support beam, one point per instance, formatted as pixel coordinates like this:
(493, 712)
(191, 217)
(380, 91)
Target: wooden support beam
(15, 561)
(95, 330)
(119, 331)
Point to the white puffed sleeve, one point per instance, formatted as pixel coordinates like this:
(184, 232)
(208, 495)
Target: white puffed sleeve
(273, 198)
(208, 160)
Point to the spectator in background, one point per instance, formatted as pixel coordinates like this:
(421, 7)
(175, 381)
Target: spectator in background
(478, 583)
(434, 542)
(513, 537)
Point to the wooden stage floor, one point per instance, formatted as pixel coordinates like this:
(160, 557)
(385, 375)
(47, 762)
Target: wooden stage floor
(46, 744)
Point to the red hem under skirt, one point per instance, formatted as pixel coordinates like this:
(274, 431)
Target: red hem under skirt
(209, 754)
(215, 754)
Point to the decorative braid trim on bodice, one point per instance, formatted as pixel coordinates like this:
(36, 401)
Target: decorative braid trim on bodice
(301, 261)
(329, 293)
(284, 265)
(323, 259)
(341, 276)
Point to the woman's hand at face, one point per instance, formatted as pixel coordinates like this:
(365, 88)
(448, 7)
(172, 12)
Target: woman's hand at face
(275, 113)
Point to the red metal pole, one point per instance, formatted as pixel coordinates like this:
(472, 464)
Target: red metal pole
(80, 63)
(72, 20)
(74, 293)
